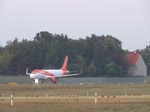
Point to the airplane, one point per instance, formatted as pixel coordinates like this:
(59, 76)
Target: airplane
(40, 75)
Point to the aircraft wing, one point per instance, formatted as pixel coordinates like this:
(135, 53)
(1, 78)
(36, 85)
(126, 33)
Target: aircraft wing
(70, 74)
(67, 75)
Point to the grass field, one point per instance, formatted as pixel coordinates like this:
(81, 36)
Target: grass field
(75, 98)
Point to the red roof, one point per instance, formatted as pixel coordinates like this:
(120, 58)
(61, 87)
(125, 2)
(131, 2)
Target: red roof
(132, 57)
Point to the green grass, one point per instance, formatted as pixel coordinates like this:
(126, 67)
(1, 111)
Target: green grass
(56, 90)
(54, 107)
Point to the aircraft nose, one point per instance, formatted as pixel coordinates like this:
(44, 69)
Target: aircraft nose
(31, 75)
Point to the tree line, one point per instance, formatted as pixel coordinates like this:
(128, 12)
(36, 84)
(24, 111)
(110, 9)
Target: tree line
(96, 55)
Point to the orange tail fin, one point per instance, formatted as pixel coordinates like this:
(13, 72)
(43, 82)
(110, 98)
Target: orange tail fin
(65, 64)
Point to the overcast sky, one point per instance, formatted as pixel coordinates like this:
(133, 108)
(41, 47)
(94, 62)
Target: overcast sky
(127, 20)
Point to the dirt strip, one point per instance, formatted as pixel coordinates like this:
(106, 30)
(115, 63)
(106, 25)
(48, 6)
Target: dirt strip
(80, 99)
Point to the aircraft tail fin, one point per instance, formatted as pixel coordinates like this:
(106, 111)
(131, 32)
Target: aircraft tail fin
(65, 64)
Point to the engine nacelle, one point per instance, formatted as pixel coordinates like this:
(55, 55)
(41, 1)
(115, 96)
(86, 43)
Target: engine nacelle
(54, 80)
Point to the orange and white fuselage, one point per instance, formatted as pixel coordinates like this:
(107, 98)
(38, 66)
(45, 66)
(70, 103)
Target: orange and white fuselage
(53, 74)
(45, 74)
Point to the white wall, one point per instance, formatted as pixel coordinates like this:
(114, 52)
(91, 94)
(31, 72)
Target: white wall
(140, 68)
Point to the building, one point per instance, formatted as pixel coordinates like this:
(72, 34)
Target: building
(137, 65)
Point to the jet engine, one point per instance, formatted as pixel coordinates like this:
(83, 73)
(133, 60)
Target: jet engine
(53, 79)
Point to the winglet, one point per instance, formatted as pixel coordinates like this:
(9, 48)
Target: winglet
(80, 72)
(27, 72)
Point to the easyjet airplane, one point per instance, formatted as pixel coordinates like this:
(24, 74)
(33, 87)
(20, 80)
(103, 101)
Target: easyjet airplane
(39, 75)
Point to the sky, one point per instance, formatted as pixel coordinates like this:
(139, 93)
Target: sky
(126, 20)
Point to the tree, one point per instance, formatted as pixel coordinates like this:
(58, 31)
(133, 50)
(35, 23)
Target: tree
(4, 61)
(96, 55)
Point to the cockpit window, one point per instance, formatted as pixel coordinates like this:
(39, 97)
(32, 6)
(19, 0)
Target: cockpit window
(35, 71)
